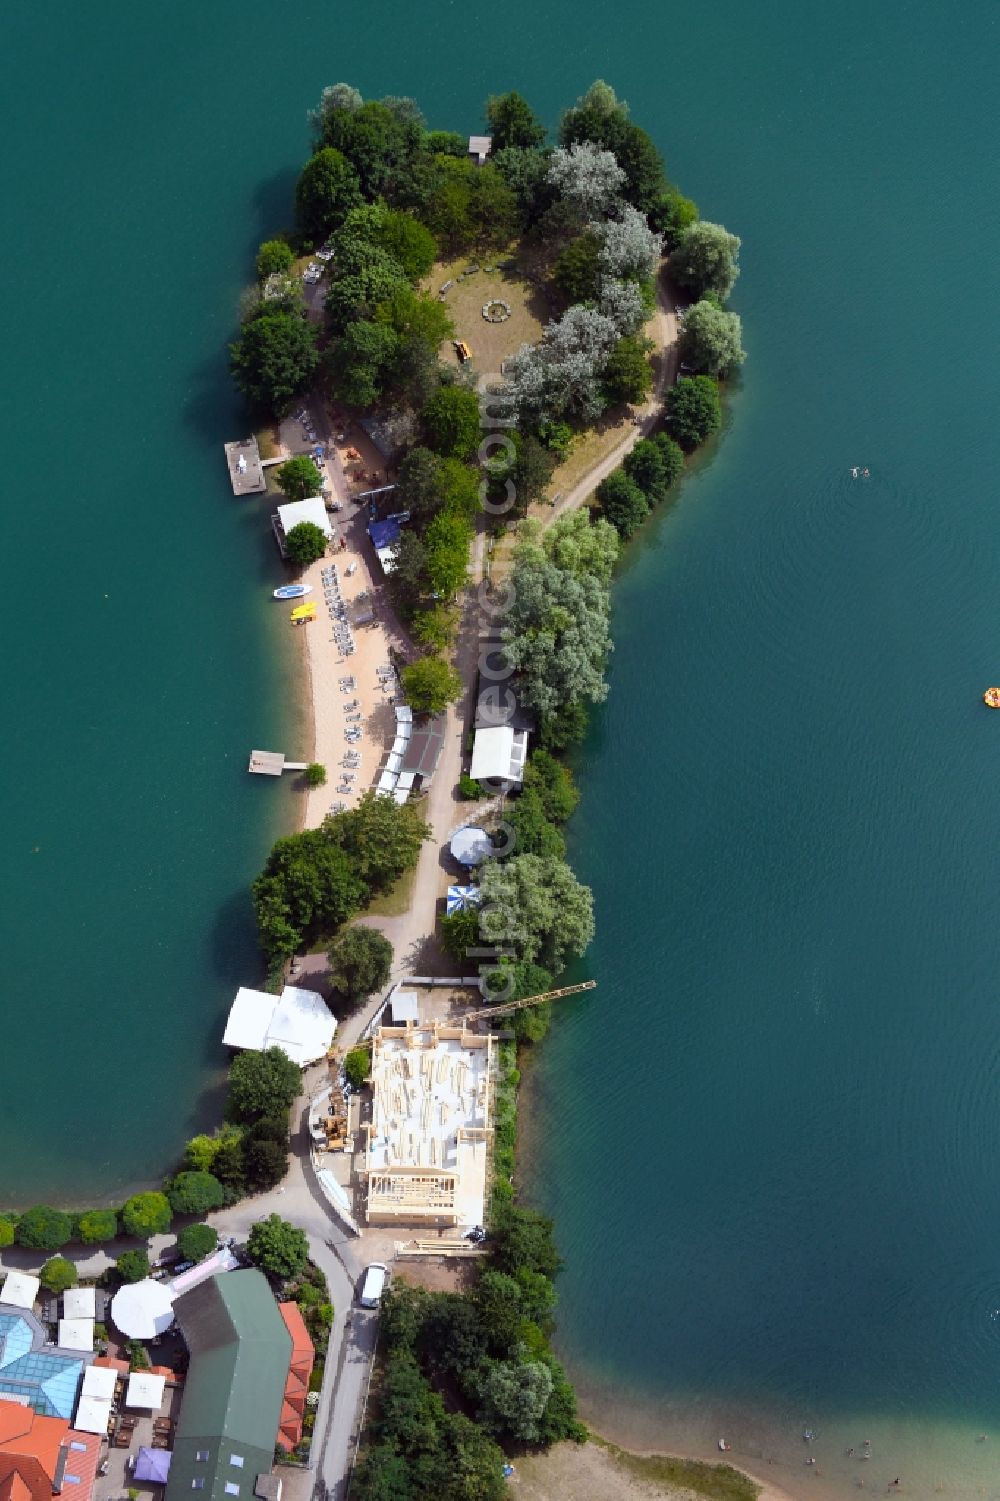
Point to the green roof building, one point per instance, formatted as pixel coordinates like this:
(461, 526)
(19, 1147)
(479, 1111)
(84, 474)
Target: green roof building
(240, 1350)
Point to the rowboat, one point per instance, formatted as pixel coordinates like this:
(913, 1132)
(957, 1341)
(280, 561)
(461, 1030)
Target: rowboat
(292, 591)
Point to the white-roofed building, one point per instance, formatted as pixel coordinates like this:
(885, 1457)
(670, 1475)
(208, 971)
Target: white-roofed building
(294, 512)
(298, 1021)
(480, 148)
(76, 1334)
(80, 1303)
(145, 1390)
(20, 1289)
(499, 754)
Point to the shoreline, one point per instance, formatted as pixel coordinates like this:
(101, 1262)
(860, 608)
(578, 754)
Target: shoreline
(769, 1491)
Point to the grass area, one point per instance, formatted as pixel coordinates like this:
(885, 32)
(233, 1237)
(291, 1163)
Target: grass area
(395, 902)
(267, 442)
(490, 343)
(718, 1482)
(588, 449)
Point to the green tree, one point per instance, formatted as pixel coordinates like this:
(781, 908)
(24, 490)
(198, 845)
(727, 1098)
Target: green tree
(6, 1232)
(534, 833)
(525, 173)
(672, 455)
(460, 932)
(525, 1239)
(498, 1302)
(417, 315)
(623, 503)
(360, 962)
(360, 362)
(326, 191)
(195, 1193)
(133, 1266)
(265, 1163)
(557, 636)
(535, 905)
(136, 1352)
(599, 117)
(278, 1247)
(447, 541)
(513, 122)
(671, 215)
(228, 1164)
(495, 211)
(381, 838)
(692, 410)
(57, 1274)
(514, 1395)
(97, 1225)
(305, 544)
(435, 628)
(195, 1242)
(262, 1084)
(411, 242)
(146, 1214)
(712, 339)
(577, 271)
(307, 884)
(201, 1151)
(554, 784)
(44, 1229)
(315, 774)
(357, 1067)
(355, 295)
(705, 259)
(418, 488)
(381, 146)
(430, 685)
(273, 359)
(408, 580)
(459, 489)
(451, 422)
(274, 258)
(627, 374)
(579, 544)
(300, 478)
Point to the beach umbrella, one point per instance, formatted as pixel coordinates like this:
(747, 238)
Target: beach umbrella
(471, 846)
(141, 1310)
(461, 898)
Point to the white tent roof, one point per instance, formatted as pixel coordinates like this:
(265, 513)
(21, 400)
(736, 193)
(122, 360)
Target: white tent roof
(399, 745)
(404, 714)
(406, 779)
(80, 1303)
(249, 1016)
(145, 1390)
(404, 728)
(298, 1021)
(471, 846)
(93, 1414)
(99, 1381)
(76, 1334)
(400, 796)
(142, 1309)
(387, 782)
(491, 753)
(404, 1007)
(21, 1289)
(393, 764)
(302, 1025)
(312, 510)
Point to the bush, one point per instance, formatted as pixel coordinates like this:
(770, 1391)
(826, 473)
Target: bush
(469, 788)
(692, 410)
(147, 1214)
(137, 1358)
(356, 1066)
(278, 1247)
(6, 1233)
(195, 1193)
(133, 1266)
(305, 544)
(195, 1242)
(262, 1084)
(623, 503)
(315, 774)
(274, 258)
(44, 1229)
(265, 1163)
(97, 1225)
(57, 1274)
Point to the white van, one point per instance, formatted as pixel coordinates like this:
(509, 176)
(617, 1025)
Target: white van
(374, 1285)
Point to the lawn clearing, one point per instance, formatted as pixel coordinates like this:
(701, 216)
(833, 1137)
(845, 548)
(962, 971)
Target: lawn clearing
(491, 343)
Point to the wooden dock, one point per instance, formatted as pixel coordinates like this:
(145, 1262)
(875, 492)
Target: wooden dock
(272, 763)
(246, 475)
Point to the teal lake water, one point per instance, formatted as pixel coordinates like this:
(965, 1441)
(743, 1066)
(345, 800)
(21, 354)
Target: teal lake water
(770, 1139)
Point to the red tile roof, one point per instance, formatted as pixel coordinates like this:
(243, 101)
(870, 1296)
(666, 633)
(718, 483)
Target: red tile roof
(297, 1385)
(33, 1450)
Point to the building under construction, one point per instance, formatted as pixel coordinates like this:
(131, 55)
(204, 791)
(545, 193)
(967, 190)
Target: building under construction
(426, 1153)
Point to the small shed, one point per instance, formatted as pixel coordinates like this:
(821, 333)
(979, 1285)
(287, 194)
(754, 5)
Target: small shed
(404, 1007)
(480, 148)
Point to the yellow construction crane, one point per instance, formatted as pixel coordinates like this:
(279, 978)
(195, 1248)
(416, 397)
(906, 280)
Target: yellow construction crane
(486, 1013)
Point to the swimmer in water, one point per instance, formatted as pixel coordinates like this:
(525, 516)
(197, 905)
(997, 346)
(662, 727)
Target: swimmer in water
(854, 472)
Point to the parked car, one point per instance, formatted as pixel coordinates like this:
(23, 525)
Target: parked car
(373, 1286)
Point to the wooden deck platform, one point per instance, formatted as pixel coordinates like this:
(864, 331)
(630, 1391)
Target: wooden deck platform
(272, 763)
(245, 472)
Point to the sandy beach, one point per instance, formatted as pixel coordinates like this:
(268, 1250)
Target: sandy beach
(596, 1472)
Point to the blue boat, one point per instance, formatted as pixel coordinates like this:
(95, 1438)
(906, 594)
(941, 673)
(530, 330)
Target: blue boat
(292, 591)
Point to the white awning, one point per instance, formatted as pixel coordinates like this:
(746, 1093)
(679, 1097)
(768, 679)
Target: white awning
(80, 1303)
(471, 846)
(387, 782)
(406, 780)
(399, 745)
(76, 1334)
(21, 1289)
(297, 511)
(142, 1309)
(302, 1025)
(145, 1390)
(491, 753)
(393, 764)
(93, 1414)
(404, 714)
(99, 1381)
(249, 1016)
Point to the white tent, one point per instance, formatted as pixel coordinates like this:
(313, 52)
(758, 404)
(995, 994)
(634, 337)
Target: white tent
(142, 1310)
(80, 1303)
(387, 782)
(297, 511)
(145, 1390)
(298, 1021)
(406, 779)
(93, 1414)
(404, 714)
(393, 764)
(99, 1381)
(20, 1289)
(400, 796)
(471, 846)
(399, 745)
(76, 1334)
(499, 751)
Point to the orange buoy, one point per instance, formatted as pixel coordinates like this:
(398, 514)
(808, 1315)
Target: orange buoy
(991, 698)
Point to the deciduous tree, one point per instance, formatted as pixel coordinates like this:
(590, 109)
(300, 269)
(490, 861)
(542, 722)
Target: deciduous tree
(381, 839)
(430, 685)
(195, 1242)
(557, 636)
(536, 905)
(712, 339)
(513, 122)
(262, 1084)
(623, 503)
(705, 259)
(305, 544)
(692, 410)
(57, 1274)
(360, 963)
(299, 478)
(627, 374)
(326, 191)
(278, 1247)
(97, 1225)
(195, 1193)
(586, 177)
(273, 359)
(273, 259)
(451, 422)
(629, 249)
(146, 1214)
